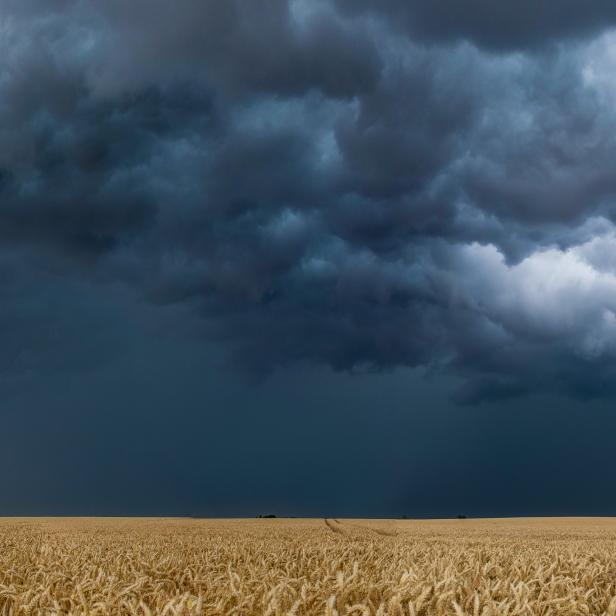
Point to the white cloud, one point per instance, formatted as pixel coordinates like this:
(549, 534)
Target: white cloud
(565, 296)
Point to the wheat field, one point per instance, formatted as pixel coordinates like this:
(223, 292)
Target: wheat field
(297, 566)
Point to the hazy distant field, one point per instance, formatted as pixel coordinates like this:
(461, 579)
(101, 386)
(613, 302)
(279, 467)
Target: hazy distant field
(276, 567)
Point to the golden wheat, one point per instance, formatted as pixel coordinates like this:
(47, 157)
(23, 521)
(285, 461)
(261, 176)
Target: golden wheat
(295, 567)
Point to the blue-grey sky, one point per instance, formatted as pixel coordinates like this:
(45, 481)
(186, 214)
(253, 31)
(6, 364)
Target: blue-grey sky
(330, 257)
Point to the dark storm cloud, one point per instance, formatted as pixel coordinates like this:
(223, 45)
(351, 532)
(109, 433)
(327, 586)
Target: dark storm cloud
(314, 187)
(494, 25)
(239, 46)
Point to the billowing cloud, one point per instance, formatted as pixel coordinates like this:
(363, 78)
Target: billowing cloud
(318, 182)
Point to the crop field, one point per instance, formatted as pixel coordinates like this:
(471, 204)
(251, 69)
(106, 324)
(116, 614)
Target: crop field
(292, 567)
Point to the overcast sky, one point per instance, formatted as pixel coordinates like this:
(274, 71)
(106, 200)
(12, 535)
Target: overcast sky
(309, 257)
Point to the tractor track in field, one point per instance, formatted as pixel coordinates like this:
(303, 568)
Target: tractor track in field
(379, 531)
(336, 526)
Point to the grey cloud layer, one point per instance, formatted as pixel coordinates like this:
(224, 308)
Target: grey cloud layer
(500, 26)
(319, 183)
